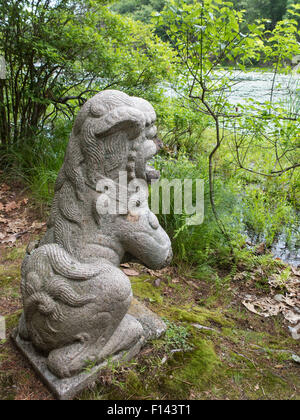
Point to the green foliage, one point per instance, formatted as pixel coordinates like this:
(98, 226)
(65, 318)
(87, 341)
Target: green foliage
(141, 10)
(293, 10)
(268, 224)
(176, 337)
(241, 200)
(59, 53)
(281, 43)
(201, 245)
(38, 163)
(207, 36)
(272, 10)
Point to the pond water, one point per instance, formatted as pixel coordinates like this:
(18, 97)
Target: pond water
(286, 247)
(258, 86)
(287, 252)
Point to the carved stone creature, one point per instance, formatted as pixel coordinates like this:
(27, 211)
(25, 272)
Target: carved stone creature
(75, 297)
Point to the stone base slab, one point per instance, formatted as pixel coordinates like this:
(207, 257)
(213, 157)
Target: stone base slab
(68, 388)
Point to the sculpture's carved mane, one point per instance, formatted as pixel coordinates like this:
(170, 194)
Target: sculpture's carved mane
(106, 136)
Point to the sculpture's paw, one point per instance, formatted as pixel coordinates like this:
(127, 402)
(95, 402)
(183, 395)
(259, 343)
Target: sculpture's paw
(70, 360)
(127, 340)
(127, 336)
(22, 329)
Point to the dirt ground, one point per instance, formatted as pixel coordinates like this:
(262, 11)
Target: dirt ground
(214, 348)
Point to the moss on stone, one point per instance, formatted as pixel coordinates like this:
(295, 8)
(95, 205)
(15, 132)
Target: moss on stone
(17, 253)
(133, 384)
(190, 370)
(200, 315)
(10, 280)
(144, 288)
(13, 320)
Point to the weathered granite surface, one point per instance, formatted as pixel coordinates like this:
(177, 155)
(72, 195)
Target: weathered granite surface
(68, 388)
(76, 299)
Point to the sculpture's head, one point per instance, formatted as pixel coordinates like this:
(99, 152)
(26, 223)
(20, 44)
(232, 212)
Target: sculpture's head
(113, 133)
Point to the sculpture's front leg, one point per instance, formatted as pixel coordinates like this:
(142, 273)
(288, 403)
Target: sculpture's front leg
(145, 239)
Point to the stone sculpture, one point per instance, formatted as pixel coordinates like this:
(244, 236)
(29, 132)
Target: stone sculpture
(76, 299)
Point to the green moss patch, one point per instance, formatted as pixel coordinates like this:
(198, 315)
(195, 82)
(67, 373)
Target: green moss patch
(200, 315)
(144, 288)
(17, 253)
(191, 370)
(13, 320)
(10, 278)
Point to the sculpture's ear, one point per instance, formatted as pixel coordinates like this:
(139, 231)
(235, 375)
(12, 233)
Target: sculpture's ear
(131, 120)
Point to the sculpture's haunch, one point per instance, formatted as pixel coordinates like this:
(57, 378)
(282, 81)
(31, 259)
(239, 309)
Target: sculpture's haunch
(75, 297)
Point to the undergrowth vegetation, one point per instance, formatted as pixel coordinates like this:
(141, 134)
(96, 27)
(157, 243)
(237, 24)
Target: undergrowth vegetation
(254, 209)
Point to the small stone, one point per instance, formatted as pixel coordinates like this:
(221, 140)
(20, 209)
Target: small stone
(157, 282)
(296, 358)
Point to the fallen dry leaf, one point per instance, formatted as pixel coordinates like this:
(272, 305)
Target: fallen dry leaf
(11, 239)
(285, 299)
(240, 276)
(203, 327)
(5, 187)
(125, 265)
(159, 273)
(262, 307)
(295, 272)
(291, 316)
(130, 272)
(11, 206)
(296, 358)
(261, 249)
(287, 304)
(37, 225)
(16, 226)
